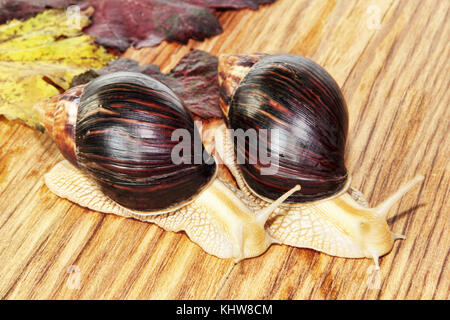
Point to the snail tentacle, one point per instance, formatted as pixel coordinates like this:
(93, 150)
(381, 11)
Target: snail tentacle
(343, 226)
(383, 208)
(265, 213)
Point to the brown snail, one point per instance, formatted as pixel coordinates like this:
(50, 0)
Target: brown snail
(115, 133)
(299, 99)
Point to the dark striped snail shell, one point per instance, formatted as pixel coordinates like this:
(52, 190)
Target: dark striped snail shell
(299, 98)
(118, 130)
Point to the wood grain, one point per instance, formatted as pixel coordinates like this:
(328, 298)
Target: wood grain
(391, 60)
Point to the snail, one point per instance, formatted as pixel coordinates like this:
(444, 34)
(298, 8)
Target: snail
(298, 99)
(116, 136)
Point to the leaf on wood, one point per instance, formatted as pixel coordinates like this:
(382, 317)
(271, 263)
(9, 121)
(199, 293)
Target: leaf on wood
(39, 57)
(194, 80)
(121, 23)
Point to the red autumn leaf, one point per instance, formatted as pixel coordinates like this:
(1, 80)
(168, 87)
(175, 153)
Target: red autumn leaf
(197, 83)
(121, 23)
(141, 23)
(194, 80)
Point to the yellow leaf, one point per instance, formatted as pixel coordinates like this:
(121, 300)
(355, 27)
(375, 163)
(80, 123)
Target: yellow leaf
(47, 48)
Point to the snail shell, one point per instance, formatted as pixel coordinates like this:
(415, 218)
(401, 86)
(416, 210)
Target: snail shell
(300, 99)
(118, 129)
(297, 97)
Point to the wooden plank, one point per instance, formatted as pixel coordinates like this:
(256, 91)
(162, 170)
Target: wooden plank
(391, 59)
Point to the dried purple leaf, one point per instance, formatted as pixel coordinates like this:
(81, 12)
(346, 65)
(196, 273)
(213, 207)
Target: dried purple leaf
(140, 23)
(194, 79)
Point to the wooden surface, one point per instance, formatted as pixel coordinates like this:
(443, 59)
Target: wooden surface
(391, 59)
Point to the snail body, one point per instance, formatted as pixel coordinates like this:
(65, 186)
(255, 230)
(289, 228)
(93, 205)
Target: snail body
(297, 97)
(116, 135)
